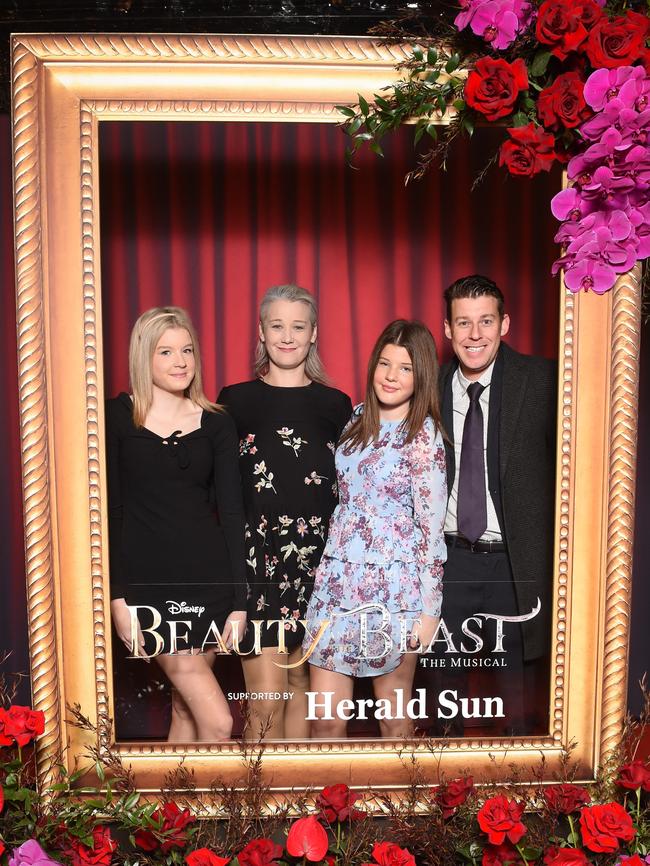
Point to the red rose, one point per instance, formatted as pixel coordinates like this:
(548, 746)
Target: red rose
(390, 854)
(500, 819)
(449, 796)
(493, 86)
(336, 803)
(602, 827)
(528, 151)
(20, 725)
(618, 42)
(260, 852)
(170, 834)
(205, 857)
(100, 854)
(563, 24)
(566, 798)
(563, 103)
(632, 860)
(501, 855)
(634, 775)
(565, 857)
(307, 838)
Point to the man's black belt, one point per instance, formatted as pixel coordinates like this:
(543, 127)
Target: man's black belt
(475, 546)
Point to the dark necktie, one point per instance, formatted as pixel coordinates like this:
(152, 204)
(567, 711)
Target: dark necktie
(472, 505)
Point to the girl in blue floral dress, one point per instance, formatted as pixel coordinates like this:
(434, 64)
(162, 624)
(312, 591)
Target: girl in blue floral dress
(379, 582)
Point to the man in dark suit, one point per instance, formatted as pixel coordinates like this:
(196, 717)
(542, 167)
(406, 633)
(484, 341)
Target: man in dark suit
(499, 412)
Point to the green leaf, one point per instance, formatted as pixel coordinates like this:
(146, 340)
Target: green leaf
(432, 56)
(419, 132)
(531, 853)
(131, 800)
(442, 103)
(432, 77)
(459, 104)
(362, 136)
(346, 110)
(383, 103)
(417, 54)
(540, 62)
(363, 105)
(95, 804)
(452, 64)
(355, 125)
(74, 777)
(528, 104)
(432, 131)
(520, 119)
(468, 125)
(375, 147)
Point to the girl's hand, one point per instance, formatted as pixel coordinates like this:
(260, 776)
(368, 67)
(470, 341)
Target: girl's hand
(121, 613)
(423, 631)
(235, 620)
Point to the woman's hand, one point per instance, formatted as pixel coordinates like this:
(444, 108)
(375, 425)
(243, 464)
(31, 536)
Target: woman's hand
(121, 613)
(423, 631)
(235, 620)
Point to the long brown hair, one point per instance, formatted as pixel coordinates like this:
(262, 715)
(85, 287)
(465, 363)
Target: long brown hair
(418, 341)
(145, 335)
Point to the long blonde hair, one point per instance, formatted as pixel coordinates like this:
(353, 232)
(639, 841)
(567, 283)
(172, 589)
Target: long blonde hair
(314, 368)
(145, 335)
(418, 341)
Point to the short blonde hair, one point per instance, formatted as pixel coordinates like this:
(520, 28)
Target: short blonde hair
(145, 336)
(314, 368)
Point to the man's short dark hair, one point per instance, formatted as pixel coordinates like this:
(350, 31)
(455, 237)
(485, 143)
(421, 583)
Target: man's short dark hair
(474, 286)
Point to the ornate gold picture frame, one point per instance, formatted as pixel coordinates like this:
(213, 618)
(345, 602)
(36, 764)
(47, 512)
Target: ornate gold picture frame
(63, 86)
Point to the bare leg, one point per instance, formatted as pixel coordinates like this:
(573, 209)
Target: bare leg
(342, 686)
(384, 687)
(182, 728)
(192, 677)
(264, 677)
(296, 724)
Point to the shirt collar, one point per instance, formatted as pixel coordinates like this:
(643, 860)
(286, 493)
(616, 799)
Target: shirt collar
(485, 378)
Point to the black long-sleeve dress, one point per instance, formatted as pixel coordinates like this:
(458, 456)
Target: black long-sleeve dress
(176, 522)
(287, 438)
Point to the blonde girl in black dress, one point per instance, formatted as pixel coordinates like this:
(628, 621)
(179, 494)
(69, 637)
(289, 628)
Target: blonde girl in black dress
(176, 520)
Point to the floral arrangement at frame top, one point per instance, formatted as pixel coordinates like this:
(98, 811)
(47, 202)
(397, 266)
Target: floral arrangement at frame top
(569, 81)
(454, 822)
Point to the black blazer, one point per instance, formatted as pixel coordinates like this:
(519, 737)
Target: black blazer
(521, 475)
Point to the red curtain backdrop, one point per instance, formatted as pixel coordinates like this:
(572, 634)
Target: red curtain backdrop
(209, 215)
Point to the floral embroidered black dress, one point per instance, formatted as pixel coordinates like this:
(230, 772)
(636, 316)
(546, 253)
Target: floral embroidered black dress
(287, 439)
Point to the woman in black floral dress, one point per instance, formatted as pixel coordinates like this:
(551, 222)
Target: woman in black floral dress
(288, 421)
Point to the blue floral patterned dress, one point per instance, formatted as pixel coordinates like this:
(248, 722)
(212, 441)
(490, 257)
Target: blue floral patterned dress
(383, 562)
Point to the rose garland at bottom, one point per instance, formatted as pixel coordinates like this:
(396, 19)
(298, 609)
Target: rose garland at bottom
(462, 825)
